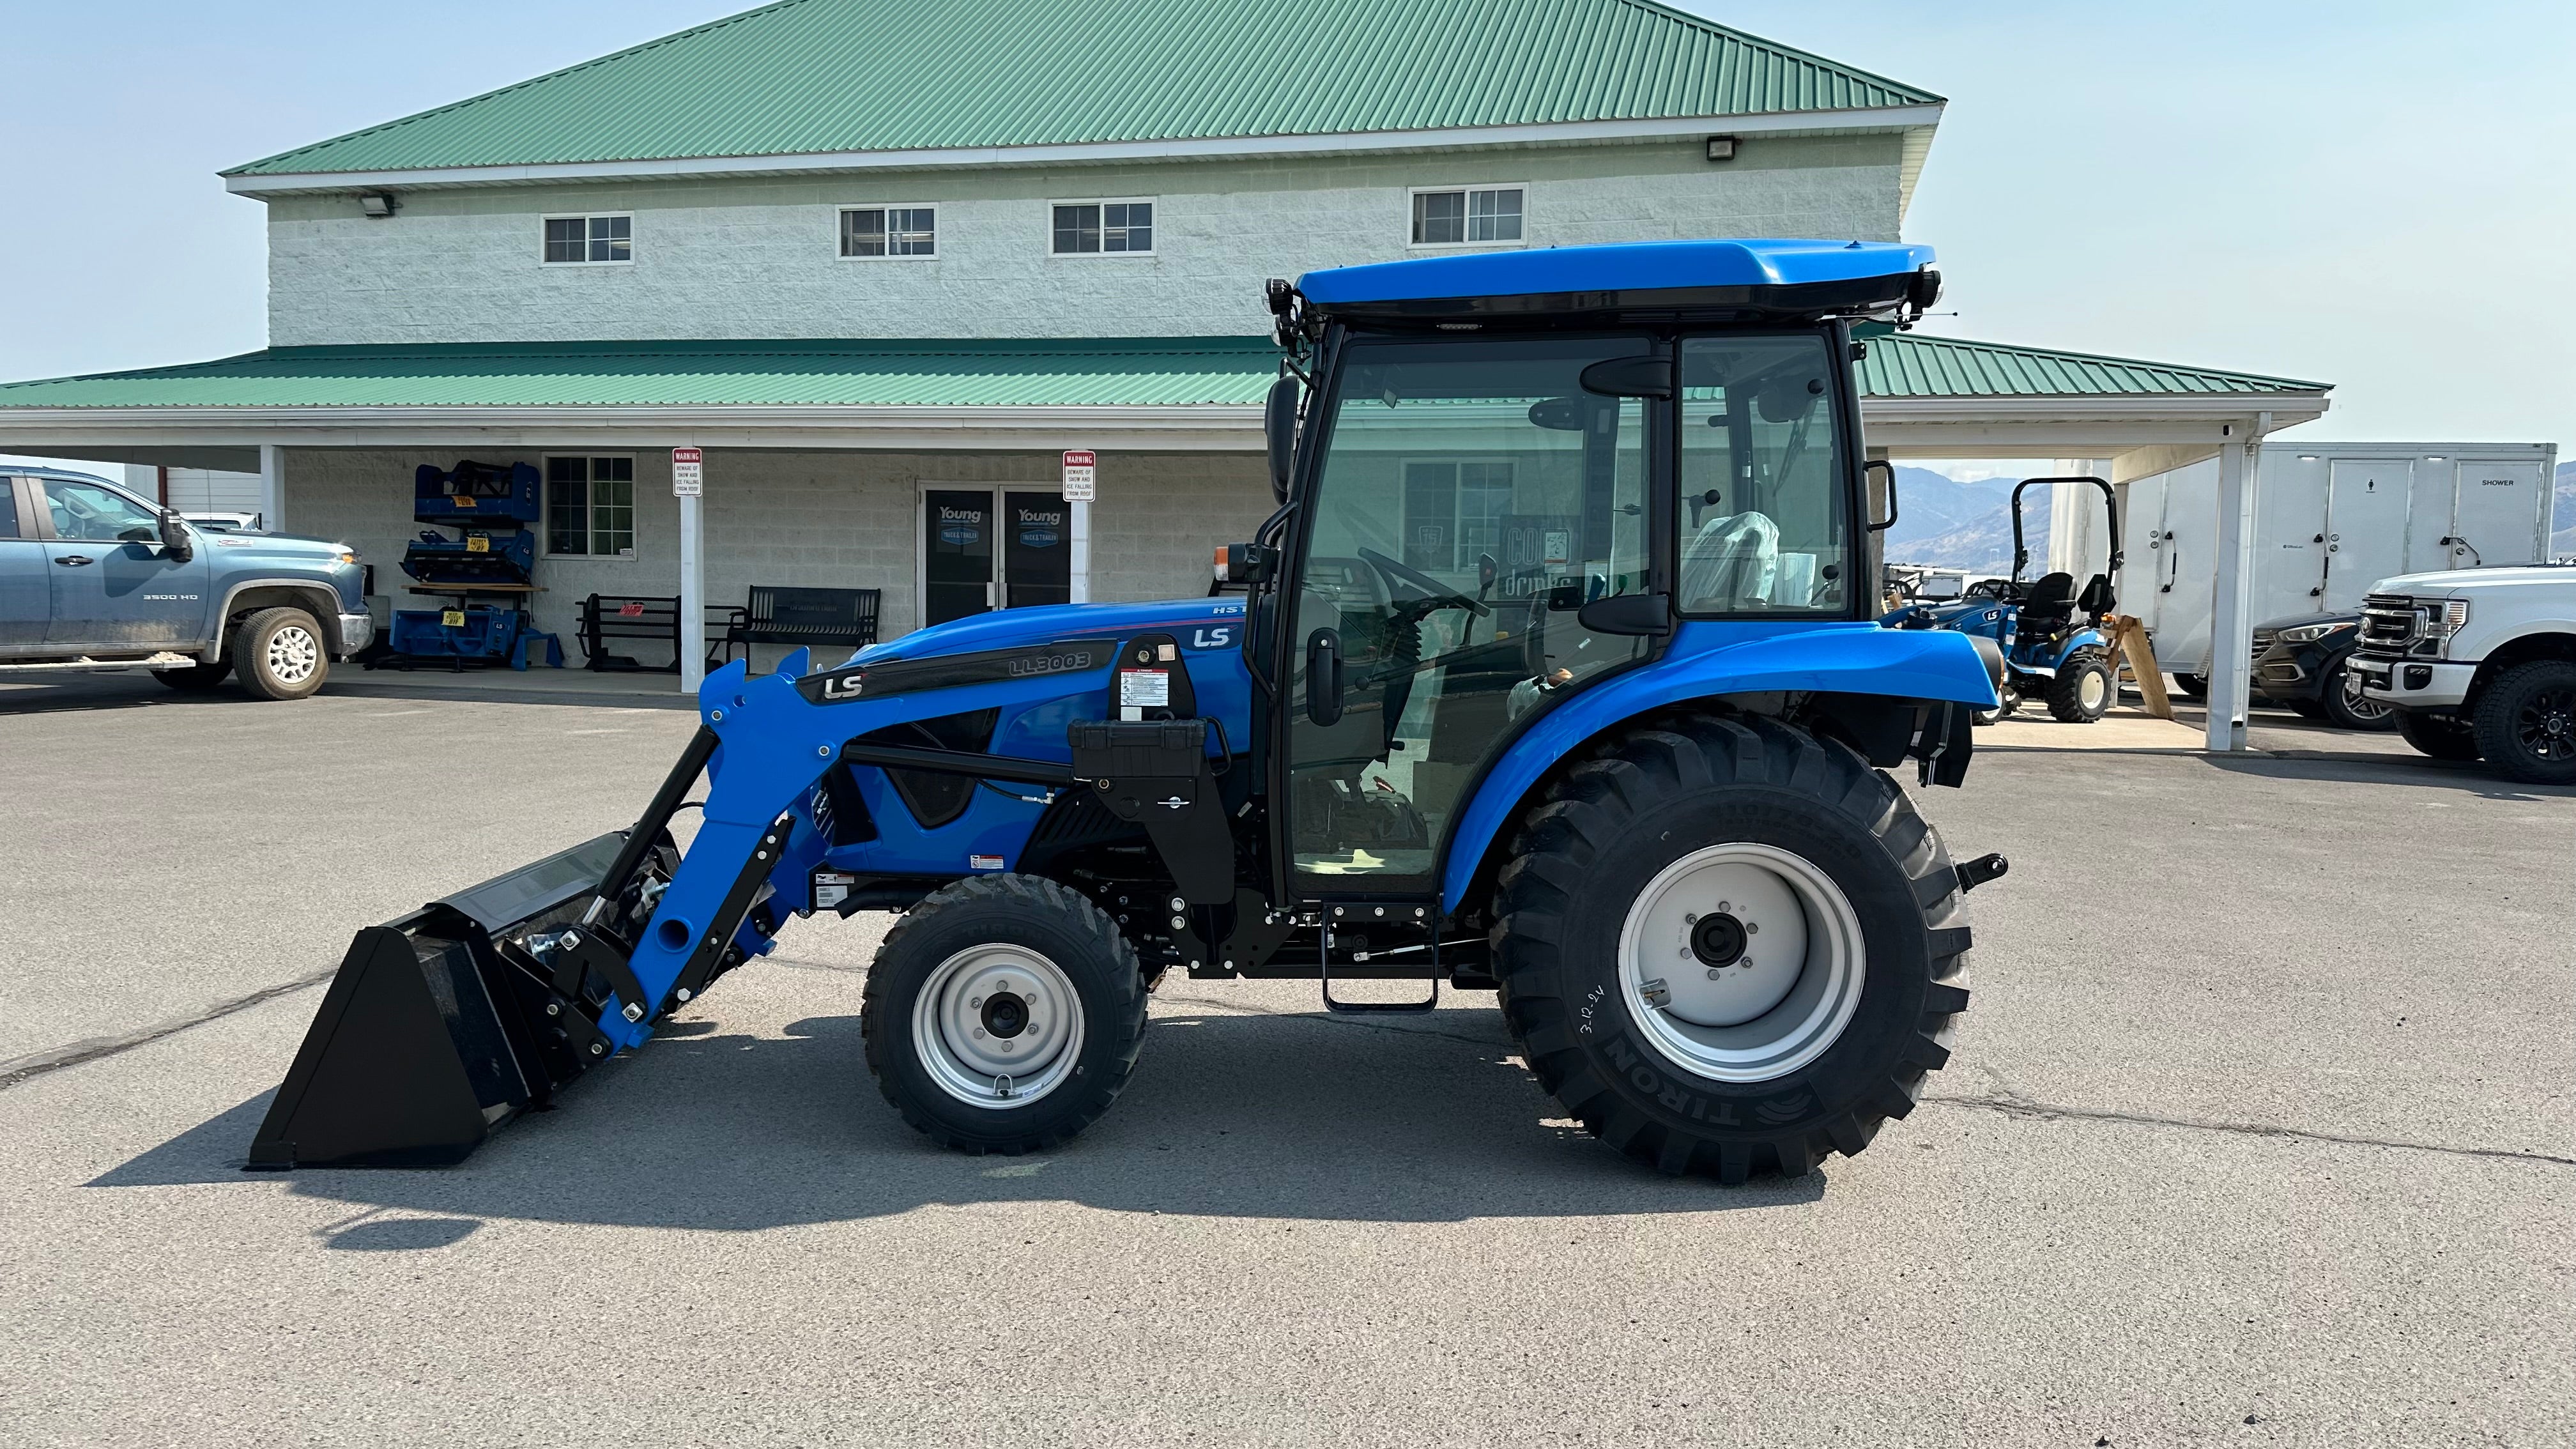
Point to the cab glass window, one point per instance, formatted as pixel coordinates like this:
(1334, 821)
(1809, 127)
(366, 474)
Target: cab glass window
(1764, 516)
(85, 511)
(1472, 498)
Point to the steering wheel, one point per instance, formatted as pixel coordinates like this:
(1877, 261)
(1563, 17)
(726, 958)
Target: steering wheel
(1436, 594)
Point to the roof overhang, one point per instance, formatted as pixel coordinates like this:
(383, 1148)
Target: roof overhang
(1914, 121)
(2042, 427)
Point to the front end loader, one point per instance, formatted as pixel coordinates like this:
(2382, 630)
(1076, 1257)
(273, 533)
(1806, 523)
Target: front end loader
(1554, 674)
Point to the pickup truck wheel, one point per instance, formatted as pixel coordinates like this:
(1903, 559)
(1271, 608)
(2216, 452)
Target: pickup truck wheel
(2525, 722)
(1003, 1014)
(2439, 735)
(1731, 947)
(2341, 703)
(2192, 686)
(195, 678)
(279, 654)
(2082, 689)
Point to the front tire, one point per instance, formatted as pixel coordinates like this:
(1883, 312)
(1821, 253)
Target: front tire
(1003, 1014)
(1680, 852)
(2440, 735)
(280, 654)
(2192, 686)
(2525, 722)
(2341, 703)
(2082, 689)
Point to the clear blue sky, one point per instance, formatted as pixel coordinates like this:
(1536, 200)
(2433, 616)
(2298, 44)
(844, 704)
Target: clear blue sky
(2374, 194)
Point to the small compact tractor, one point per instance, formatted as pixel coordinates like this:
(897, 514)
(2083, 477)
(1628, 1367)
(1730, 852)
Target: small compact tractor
(2048, 631)
(1555, 674)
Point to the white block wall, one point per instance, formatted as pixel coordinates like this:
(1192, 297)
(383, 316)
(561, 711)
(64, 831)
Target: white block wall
(759, 258)
(822, 519)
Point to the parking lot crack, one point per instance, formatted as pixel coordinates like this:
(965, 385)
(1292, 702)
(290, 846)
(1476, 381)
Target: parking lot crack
(91, 1049)
(2012, 1102)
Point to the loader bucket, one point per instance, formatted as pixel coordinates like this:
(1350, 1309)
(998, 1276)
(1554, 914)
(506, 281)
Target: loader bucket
(440, 1026)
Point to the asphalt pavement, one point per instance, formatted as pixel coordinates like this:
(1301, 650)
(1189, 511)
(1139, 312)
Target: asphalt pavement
(2258, 1132)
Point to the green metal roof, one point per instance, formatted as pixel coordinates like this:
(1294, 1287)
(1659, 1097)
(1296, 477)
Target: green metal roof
(1910, 364)
(1148, 371)
(804, 77)
(1061, 372)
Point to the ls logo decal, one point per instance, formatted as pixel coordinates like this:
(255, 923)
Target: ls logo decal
(1216, 638)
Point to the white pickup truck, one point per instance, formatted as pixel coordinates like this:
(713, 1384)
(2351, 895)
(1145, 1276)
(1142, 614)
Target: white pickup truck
(2478, 664)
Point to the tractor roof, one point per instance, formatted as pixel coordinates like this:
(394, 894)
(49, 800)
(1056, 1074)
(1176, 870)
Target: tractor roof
(1730, 279)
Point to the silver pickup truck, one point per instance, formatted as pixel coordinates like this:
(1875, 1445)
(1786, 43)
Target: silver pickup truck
(92, 576)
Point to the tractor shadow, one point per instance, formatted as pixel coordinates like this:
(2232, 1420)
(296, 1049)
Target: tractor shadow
(1255, 1116)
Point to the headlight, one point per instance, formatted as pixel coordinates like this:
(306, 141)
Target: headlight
(2311, 633)
(343, 553)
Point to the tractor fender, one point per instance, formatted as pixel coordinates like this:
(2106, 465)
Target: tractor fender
(1706, 661)
(2086, 638)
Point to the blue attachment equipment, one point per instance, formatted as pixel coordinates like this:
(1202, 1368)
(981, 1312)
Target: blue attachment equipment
(494, 508)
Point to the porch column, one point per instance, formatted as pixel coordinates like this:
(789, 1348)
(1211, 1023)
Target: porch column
(693, 594)
(2231, 630)
(272, 486)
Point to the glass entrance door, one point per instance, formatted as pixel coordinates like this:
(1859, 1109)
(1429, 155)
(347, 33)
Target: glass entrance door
(1037, 550)
(956, 554)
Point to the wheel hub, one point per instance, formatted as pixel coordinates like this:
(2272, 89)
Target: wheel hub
(998, 1026)
(292, 653)
(1742, 962)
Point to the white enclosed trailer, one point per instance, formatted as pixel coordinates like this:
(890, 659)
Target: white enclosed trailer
(2331, 519)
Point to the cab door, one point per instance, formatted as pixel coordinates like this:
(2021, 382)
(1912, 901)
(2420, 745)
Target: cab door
(1473, 496)
(113, 583)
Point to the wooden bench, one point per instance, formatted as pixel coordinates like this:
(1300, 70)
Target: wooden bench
(796, 616)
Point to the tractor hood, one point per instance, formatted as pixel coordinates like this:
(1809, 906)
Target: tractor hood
(1013, 628)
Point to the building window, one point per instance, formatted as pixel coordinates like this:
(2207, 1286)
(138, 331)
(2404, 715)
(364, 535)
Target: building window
(1454, 510)
(590, 507)
(575, 240)
(890, 231)
(1468, 216)
(1085, 227)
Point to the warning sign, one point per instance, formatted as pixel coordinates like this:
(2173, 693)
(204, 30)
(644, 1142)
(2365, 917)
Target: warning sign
(688, 472)
(1081, 474)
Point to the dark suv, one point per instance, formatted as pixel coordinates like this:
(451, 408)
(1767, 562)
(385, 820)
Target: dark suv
(2299, 663)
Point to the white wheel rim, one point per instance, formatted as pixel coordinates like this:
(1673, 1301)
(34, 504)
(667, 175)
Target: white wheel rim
(1768, 1011)
(292, 654)
(965, 1032)
(2090, 693)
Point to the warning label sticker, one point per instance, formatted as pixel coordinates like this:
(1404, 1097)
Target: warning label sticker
(983, 862)
(1144, 688)
(831, 887)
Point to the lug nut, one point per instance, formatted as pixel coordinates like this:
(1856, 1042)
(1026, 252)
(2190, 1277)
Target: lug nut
(979, 1033)
(1751, 928)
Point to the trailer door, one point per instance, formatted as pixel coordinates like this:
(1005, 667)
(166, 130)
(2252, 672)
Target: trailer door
(2367, 500)
(2191, 568)
(2498, 513)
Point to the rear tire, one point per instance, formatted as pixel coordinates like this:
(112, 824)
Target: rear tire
(995, 973)
(2525, 722)
(2082, 689)
(2439, 735)
(2341, 703)
(1858, 884)
(281, 654)
(194, 678)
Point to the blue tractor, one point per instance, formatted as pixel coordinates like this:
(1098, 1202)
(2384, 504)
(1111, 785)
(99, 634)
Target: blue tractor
(2047, 631)
(1555, 674)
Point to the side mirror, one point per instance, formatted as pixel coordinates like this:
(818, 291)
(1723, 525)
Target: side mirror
(1279, 425)
(1648, 614)
(1883, 490)
(176, 538)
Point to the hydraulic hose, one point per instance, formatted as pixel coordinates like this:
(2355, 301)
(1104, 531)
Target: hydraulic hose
(657, 816)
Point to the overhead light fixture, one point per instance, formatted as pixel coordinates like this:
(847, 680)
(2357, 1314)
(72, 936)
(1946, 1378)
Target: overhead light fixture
(379, 204)
(2307, 457)
(1721, 148)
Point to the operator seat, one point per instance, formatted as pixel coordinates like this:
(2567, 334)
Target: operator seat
(2097, 598)
(2046, 609)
